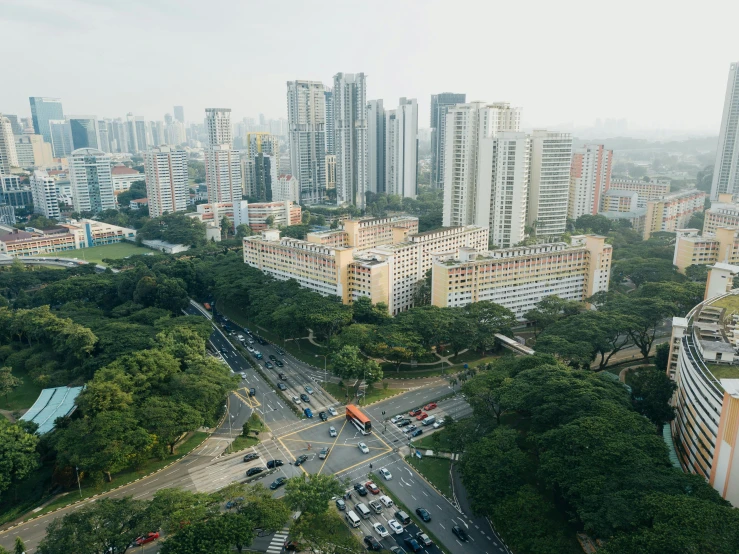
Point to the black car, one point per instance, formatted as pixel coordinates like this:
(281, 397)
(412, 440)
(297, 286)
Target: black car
(261, 341)
(255, 471)
(282, 376)
(279, 351)
(273, 357)
(277, 483)
(323, 416)
(251, 456)
(340, 504)
(403, 422)
(461, 533)
(301, 459)
(274, 463)
(278, 363)
(417, 432)
(268, 365)
(424, 514)
(252, 391)
(372, 543)
(223, 351)
(359, 487)
(304, 397)
(282, 386)
(413, 545)
(397, 550)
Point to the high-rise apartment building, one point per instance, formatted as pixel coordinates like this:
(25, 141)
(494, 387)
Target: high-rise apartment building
(376, 145)
(84, 129)
(350, 138)
(549, 182)
(330, 173)
(8, 156)
(403, 141)
(131, 135)
(329, 95)
(43, 110)
(440, 103)
(179, 114)
(158, 137)
(32, 151)
(166, 180)
(15, 124)
(61, 138)
(143, 140)
(726, 169)
(175, 134)
(218, 124)
(43, 189)
(590, 179)
(486, 175)
(306, 116)
(261, 165)
(223, 176)
(104, 135)
(92, 180)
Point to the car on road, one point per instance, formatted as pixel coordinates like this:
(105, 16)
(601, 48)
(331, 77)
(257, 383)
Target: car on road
(438, 423)
(430, 406)
(323, 416)
(323, 453)
(424, 539)
(250, 340)
(275, 463)
(397, 418)
(252, 391)
(385, 474)
(461, 533)
(395, 527)
(372, 487)
(258, 355)
(250, 349)
(422, 416)
(416, 433)
(397, 550)
(240, 336)
(280, 351)
(410, 429)
(145, 539)
(255, 471)
(363, 448)
(224, 351)
(308, 413)
(268, 365)
(424, 514)
(296, 399)
(261, 341)
(272, 357)
(403, 422)
(277, 483)
(282, 376)
(386, 500)
(282, 386)
(372, 543)
(402, 517)
(251, 456)
(380, 530)
(359, 487)
(300, 459)
(340, 504)
(304, 397)
(414, 412)
(332, 431)
(278, 363)
(376, 506)
(332, 411)
(308, 389)
(413, 545)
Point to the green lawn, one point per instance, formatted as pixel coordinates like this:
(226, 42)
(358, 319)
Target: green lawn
(22, 396)
(436, 470)
(241, 442)
(373, 394)
(98, 253)
(427, 442)
(119, 479)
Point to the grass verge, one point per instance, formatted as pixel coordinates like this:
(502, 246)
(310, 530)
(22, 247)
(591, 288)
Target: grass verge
(374, 394)
(21, 397)
(124, 477)
(428, 442)
(241, 442)
(407, 510)
(435, 470)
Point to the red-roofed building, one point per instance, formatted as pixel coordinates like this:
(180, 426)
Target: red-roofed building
(139, 203)
(123, 176)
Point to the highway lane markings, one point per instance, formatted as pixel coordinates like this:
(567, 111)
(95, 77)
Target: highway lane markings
(332, 446)
(424, 492)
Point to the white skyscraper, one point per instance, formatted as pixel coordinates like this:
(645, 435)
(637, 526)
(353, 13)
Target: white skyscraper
(390, 151)
(549, 182)
(92, 180)
(306, 116)
(43, 190)
(329, 95)
(405, 146)
(166, 180)
(61, 137)
(131, 135)
(486, 170)
(223, 176)
(726, 170)
(218, 124)
(350, 138)
(8, 155)
(376, 145)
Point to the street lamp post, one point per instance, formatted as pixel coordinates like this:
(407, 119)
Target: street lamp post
(77, 472)
(325, 357)
(228, 415)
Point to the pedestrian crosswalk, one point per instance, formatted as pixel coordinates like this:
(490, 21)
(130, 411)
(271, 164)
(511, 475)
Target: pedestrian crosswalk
(279, 538)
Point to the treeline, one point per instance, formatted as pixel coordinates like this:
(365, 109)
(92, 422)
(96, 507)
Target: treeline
(551, 451)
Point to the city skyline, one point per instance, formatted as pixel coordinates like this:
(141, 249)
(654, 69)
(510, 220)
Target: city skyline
(629, 85)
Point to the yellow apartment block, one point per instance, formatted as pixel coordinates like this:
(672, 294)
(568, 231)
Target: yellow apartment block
(724, 213)
(692, 249)
(519, 277)
(365, 233)
(672, 212)
(652, 190)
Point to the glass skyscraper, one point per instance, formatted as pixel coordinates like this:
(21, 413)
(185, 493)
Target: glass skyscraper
(42, 110)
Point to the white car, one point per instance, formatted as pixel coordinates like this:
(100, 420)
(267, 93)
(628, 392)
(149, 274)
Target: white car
(396, 418)
(332, 431)
(243, 374)
(250, 349)
(385, 473)
(396, 527)
(386, 500)
(363, 448)
(332, 411)
(296, 399)
(438, 423)
(380, 530)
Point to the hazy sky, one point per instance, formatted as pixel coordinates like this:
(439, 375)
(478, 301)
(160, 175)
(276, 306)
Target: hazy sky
(657, 63)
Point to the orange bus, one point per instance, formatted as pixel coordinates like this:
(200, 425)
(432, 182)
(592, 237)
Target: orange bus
(360, 421)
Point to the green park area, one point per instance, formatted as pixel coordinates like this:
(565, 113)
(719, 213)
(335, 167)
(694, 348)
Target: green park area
(97, 254)
(435, 470)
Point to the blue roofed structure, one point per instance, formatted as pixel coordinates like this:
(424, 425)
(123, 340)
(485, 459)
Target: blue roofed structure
(51, 404)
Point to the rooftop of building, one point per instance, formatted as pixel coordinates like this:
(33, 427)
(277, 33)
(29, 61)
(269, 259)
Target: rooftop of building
(639, 212)
(16, 236)
(139, 201)
(124, 170)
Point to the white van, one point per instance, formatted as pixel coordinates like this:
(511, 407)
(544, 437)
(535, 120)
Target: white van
(429, 420)
(386, 500)
(352, 519)
(363, 510)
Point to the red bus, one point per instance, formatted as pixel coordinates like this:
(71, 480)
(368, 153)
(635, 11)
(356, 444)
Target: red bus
(358, 419)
